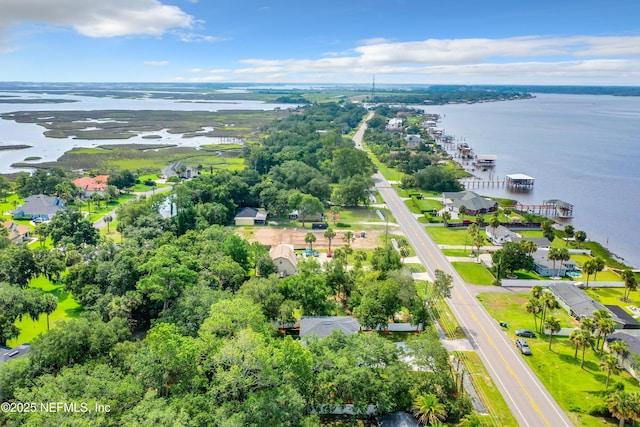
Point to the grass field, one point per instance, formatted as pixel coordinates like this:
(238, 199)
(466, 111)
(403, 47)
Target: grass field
(449, 236)
(585, 391)
(68, 308)
(499, 412)
(473, 273)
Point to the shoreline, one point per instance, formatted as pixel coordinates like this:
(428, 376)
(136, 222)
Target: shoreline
(464, 165)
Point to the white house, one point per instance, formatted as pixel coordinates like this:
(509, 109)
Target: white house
(284, 258)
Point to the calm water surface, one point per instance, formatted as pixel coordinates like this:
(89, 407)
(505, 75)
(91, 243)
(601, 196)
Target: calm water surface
(582, 149)
(49, 149)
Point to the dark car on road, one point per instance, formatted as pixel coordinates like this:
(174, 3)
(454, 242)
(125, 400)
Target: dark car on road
(523, 346)
(525, 333)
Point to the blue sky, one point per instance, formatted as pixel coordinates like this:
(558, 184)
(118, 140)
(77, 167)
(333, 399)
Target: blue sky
(582, 42)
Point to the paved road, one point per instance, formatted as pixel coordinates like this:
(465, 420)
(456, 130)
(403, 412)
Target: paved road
(530, 402)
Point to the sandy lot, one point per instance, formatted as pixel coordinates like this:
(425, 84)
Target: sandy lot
(295, 236)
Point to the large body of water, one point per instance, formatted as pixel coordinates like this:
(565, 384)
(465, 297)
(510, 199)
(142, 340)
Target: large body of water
(581, 149)
(50, 149)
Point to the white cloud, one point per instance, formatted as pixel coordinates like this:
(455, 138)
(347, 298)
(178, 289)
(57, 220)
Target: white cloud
(108, 18)
(535, 59)
(157, 63)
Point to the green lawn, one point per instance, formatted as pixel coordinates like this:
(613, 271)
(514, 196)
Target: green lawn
(474, 273)
(456, 252)
(449, 236)
(613, 296)
(585, 390)
(68, 308)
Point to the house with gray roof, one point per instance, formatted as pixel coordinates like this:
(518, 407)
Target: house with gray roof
(632, 339)
(39, 206)
(473, 203)
(7, 354)
(547, 268)
(397, 419)
(251, 216)
(179, 170)
(500, 235)
(580, 305)
(323, 326)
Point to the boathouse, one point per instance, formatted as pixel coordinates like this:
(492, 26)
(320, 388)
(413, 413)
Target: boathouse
(519, 180)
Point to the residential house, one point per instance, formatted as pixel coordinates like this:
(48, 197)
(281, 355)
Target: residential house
(473, 203)
(394, 125)
(500, 235)
(547, 268)
(284, 257)
(541, 242)
(317, 216)
(633, 342)
(40, 207)
(90, 185)
(17, 233)
(397, 419)
(7, 354)
(323, 326)
(251, 216)
(574, 300)
(413, 141)
(179, 170)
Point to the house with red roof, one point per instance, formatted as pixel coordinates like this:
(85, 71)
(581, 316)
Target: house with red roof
(90, 185)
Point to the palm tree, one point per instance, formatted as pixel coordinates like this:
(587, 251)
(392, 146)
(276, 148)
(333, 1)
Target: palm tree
(607, 326)
(601, 321)
(479, 220)
(553, 325)
(50, 305)
(619, 348)
(623, 405)
(568, 233)
(428, 409)
(310, 238)
(478, 240)
(507, 212)
(554, 255)
(348, 237)
(446, 216)
(472, 231)
(359, 256)
(589, 267)
(462, 209)
(584, 339)
(548, 302)
(574, 337)
(472, 420)
(580, 237)
(529, 246)
(329, 234)
(107, 220)
(609, 363)
(536, 291)
(630, 282)
(494, 222)
(600, 265)
(533, 306)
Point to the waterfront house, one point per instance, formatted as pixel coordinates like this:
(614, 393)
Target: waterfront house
(632, 339)
(17, 233)
(90, 185)
(39, 206)
(545, 267)
(251, 216)
(473, 203)
(284, 257)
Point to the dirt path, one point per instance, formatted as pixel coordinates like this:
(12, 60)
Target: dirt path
(295, 236)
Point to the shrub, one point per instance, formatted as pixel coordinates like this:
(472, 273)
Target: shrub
(343, 225)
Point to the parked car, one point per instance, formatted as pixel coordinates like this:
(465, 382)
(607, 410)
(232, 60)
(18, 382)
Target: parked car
(316, 253)
(308, 252)
(329, 254)
(523, 346)
(525, 333)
